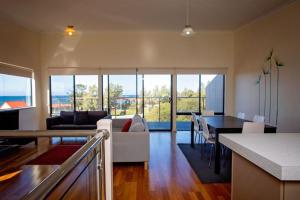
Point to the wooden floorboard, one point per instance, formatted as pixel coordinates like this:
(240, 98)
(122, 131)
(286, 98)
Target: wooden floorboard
(169, 175)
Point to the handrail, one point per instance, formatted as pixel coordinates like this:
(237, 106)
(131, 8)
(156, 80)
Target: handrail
(47, 133)
(46, 186)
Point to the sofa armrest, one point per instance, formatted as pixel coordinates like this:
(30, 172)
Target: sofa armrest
(51, 121)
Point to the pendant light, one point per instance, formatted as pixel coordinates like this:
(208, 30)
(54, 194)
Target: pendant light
(188, 30)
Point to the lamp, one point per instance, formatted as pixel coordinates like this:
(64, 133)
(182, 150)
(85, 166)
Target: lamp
(70, 30)
(188, 30)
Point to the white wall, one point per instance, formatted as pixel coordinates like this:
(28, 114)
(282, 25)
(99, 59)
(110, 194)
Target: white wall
(279, 30)
(20, 46)
(89, 52)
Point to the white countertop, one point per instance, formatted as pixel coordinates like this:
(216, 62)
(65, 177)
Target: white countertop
(278, 154)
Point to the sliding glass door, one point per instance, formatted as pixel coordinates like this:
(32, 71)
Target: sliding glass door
(188, 99)
(157, 101)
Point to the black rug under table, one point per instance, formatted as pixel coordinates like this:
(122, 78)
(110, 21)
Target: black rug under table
(200, 163)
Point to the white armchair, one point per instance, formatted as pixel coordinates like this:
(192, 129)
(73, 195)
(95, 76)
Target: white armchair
(130, 146)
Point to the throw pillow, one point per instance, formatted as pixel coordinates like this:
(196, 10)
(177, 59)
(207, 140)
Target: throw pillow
(137, 127)
(137, 119)
(81, 117)
(126, 125)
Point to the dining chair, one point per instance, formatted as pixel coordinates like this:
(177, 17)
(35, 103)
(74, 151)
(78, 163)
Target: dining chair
(197, 128)
(259, 118)
(253, 127)
(207, 113)
(208, 137)
(241, 115)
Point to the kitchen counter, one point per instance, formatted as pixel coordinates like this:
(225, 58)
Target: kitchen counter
(264, 166)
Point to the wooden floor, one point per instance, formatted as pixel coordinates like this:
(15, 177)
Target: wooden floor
(169, 175)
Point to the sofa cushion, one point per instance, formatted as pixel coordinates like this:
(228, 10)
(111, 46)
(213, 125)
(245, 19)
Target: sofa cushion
(137, 127)
(81, 117)
(94, 116)
(67, 117)
(137, 119)
(73, 127)
(126, 125)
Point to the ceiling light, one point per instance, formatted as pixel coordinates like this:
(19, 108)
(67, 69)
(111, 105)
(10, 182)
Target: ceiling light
(188, 30)
(70, 30)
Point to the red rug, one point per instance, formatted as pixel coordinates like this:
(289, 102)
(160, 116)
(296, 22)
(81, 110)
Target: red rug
(55, 156)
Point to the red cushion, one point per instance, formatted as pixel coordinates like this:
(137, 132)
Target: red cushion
(126, 125)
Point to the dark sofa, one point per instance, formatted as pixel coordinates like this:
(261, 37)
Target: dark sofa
(78, 120)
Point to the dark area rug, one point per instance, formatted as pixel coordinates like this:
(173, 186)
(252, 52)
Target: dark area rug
(56, 155)
(200, 164)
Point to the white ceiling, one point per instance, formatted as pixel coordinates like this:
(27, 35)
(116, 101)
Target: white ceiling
(99, 15)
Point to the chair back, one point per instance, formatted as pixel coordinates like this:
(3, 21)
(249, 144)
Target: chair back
(208, 113)
(196, 123)
(241, 115)
(253, 127)
(259, 118)
(205, 129)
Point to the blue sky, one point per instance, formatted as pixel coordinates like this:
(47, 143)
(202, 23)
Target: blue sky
(14, 85)
(61, 85)
(20, 86)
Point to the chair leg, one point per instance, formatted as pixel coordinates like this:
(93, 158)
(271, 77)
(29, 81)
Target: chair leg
(145, 165)
(210, 155)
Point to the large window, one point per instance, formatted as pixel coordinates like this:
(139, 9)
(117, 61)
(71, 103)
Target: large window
(191, 99)
(62, 94)
(69, 93)
(86, 92)
(187, 100)
(15, 92)
(119, 92)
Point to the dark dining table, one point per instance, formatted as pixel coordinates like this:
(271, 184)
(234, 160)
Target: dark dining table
(220, 124)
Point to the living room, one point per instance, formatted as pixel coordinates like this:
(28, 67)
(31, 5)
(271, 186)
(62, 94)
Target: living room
(129, 62)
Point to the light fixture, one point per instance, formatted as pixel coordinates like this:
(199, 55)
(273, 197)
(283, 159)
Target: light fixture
(188, 30)
(70, 30)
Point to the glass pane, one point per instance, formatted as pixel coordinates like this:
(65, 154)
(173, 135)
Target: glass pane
(183, 122)
(105, 92)
(212, 92)
(122, 95)
(188, 93)
(187, 99)
(86, 93)
(62, 94)
(157, 99)
(140, 95)
(14, 95)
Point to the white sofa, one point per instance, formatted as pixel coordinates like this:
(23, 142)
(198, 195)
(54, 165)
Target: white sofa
(130, 146)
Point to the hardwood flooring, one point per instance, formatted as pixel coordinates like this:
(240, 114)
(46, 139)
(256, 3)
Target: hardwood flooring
(169, 175)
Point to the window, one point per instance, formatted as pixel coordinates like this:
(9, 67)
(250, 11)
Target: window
(191, 99)
(62, 94)
(122, 95)
(188, 93)
(15, 92)
(212, 92)
(86, 93)
(188, 99)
